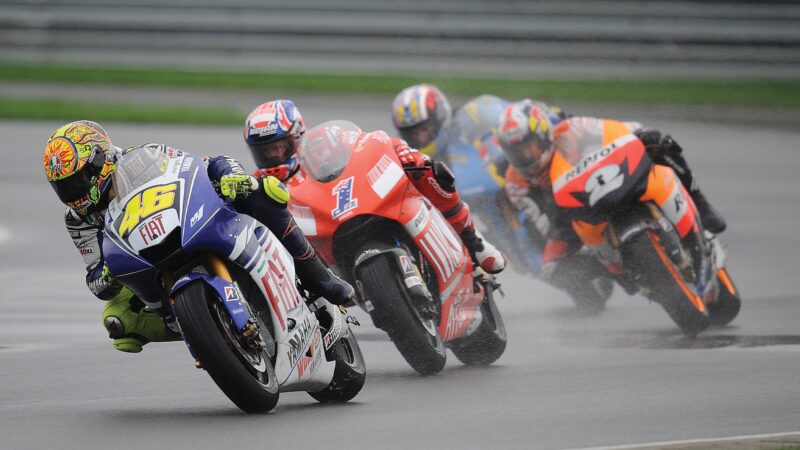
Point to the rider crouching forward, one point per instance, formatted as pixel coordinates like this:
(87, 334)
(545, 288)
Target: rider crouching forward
(79, 161)
(529, 139)
(275, 130)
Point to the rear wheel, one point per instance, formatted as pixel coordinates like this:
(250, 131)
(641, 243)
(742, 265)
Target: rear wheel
(350, 372)
(243, 373)
(727, 304)
(654, 270)
(413, 332)
(488, 342)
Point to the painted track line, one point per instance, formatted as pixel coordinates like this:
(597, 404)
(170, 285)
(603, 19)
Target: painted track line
(774, 440)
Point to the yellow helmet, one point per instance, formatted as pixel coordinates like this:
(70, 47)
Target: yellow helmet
(78, 163)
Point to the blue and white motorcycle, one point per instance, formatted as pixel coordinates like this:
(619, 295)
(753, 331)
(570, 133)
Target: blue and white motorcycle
(479, 165)
(230, 284)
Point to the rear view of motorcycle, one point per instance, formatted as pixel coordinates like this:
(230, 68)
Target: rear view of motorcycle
(229, 283)
(413, 274)
(639, 221)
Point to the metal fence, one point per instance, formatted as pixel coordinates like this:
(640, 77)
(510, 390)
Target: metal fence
(479, 37)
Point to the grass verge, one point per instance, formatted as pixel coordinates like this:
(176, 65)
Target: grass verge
(719, 93)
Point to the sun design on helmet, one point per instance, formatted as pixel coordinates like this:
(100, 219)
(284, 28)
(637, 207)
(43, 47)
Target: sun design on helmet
(60, 159)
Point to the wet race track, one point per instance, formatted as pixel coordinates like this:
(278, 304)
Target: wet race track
(625, 377)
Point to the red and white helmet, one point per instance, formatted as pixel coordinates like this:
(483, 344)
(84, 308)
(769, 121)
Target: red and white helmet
(524, 132)
(273, 132)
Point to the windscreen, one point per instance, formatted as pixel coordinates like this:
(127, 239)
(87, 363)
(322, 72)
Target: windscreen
(137, 167)
(327, 149)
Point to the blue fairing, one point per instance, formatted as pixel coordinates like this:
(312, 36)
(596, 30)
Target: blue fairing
(203, 221)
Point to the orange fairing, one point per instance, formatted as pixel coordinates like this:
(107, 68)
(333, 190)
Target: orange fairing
(590, 234)
(676, 204)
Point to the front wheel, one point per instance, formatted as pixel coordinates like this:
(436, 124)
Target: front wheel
(653, 270)
(414, 333)
(349, 374)
(244, 374)
(488, 342)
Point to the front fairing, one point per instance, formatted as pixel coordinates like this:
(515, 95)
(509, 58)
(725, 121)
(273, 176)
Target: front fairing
(177, 211)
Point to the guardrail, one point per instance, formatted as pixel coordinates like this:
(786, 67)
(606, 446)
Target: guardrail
(491, 38)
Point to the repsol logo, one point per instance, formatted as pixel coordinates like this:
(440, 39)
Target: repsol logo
(588, 161)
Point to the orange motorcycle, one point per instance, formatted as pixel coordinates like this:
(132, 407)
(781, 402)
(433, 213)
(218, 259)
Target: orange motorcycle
(640, 222)
(412, 273)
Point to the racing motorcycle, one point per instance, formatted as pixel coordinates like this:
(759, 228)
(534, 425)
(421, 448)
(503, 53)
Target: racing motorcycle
(477, 161)
(413, 274)
(640, 222)
(230, 284)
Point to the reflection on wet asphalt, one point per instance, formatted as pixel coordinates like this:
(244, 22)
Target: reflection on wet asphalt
(701, 341)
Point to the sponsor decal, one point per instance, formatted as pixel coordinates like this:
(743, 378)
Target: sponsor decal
(366, 253)
(283, 295)
(232, 294)
(405, 264)
(197, 216)
(383, 177)
(442, 247)
(299, 341)
(345, 202)
(186, 164)
(86, 251)
(310, 362)
(413, 281)
(152, 229)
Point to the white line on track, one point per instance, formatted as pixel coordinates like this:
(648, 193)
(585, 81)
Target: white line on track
(697, 441)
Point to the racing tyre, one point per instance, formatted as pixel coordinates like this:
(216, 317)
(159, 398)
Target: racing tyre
(727, 305)
(414, 333)
(350, 372)
(653, 269)
(488, 342)
(244, 374)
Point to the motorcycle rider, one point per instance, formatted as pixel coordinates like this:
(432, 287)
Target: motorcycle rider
(529, 139)
(79, 160)
(275, 130)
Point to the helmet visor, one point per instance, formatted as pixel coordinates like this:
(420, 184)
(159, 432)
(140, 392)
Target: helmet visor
(272, 153)
(528, 155)
(420, 135)
(75, 186)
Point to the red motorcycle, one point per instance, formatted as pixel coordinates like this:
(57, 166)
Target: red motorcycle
(413, 274)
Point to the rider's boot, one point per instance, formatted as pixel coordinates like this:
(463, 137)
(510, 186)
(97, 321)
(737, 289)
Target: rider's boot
(482, 251)
(321, 281)
(132, 325)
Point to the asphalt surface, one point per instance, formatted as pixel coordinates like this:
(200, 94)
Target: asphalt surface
(626, 377)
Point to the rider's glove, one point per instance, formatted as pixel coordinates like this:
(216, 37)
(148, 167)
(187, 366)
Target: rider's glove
(237, 185)
(101, 283)
(657, 144)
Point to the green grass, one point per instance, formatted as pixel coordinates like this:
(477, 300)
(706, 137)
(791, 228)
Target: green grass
(44, 109)
(720, 93)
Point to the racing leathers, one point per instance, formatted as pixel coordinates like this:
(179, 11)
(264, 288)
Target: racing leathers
(129, 323)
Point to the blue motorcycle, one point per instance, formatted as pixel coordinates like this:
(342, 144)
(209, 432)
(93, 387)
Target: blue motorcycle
(230, 284)
(479, 166)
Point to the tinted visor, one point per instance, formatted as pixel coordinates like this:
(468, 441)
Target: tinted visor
(77, 185)
(272, 153)
(527, 154)
(419, 135)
